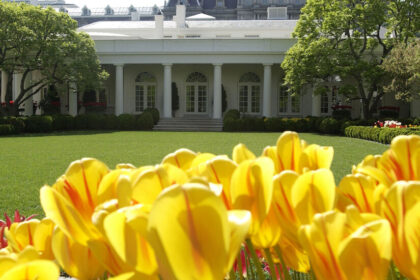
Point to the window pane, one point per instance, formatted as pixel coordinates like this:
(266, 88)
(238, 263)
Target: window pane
(151, 96)
(202, 99)
(295, 102)
(190, 99)
(324, 103)
(139, 98)
(283, 98)
(255, 99)
(243, 99)
(102, 96)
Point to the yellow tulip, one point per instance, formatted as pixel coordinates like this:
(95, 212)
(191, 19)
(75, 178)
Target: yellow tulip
(193, 234)
(289, 151)
(199, 164)
(347, 245)
(39, 269)
(270, 231)
(401, 208)
(112, 187)
(151, 182)
(32, 233)
(10, 260)
(399, 163)
(126, 231)
(181, 158)
(79, 185)
(241, 153)
(313, 192)
(316, 157)
(219, 170)
(252, 189)
(358, 190)
(294, 256)
(76, 260)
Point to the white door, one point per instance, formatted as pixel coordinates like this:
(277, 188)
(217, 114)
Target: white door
(196, 100)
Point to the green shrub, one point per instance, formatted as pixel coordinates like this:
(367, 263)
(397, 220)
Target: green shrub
(95, 121)
(36, 124)
(383, 135)
(341, 114)
(127, 122)
(233, 113)
(145, 121)
(392, 114)
(81, 121)
(275, 124)
(6, 129)
(62, 122)
(155, 114)
(330, 126)
(111, 122)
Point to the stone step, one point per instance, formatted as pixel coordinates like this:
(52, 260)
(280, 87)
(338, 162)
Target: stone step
(196, 124)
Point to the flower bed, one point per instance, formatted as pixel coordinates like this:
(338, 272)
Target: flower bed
(204, 216)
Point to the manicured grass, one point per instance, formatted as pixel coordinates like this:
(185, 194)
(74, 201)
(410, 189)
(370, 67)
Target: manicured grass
(30, 161)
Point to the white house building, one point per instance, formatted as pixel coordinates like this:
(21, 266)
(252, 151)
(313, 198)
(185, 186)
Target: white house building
(203, 57)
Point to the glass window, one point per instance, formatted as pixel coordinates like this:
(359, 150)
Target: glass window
(202, 99)
(324, 103)
(151, 90)
(255, 99)
(243, 99)
(295, 102)
(139, 98)
(283, 99)
(190, 102)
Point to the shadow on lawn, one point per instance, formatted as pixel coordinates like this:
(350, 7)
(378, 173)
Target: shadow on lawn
(61, 133)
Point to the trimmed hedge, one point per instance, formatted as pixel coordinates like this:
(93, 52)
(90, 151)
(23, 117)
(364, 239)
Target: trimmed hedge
(155, 114)
(145, 121)
(383, 135)
(6, 129)
(36, 124)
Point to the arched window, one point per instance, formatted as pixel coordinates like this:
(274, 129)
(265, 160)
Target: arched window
(196, 99)
(145, 96)
(288, 103)
(250, 93)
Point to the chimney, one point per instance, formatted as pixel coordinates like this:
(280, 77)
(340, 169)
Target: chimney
(181, 11)
(159, 25)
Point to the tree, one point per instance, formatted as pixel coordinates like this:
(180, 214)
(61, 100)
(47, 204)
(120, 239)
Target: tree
(403, 68)
(49, 44)
(348, 39)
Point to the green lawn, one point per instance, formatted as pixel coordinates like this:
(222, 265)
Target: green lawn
(28, 162)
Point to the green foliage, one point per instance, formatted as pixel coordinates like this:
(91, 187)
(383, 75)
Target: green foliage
(232, 114)
(403, 68)
(6, 129)
(50, 101)
(330, 126)
(388, 114)
(145, 121)
(383, 135)
(36, 39)
(343, 38)
(17, 123)
(224, 100)
(155, 114)
(127, 122)
(62, 122)
(111, 122)
(36, 124)
(341, 114)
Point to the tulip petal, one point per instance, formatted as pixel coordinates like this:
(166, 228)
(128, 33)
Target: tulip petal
(40, 270)
(181, 158)
(358, 190)
(313, 192)
(77, 260)
(189, 231)
(289, 150)
(241, 153)
(63, 214)
(316, 157)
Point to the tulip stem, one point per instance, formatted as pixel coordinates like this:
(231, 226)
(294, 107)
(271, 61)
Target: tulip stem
(249, 269)
(279, 255)
(270, 263)
(240, 265)
(254, 256)
(232, 274)
(393, 273)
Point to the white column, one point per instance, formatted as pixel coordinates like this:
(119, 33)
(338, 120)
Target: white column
(119, 89)
(29, 109)
(415, 108)
(4, 78)
(73, 99)
(316, 104)
(167, 90)
(17, 78)
(217, 88)
(267, 91)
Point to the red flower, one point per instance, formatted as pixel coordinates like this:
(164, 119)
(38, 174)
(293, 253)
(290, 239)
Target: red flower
(11, 102)
(8, 222)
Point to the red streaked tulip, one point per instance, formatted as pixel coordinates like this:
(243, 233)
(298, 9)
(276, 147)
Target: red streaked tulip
(193, 234)
(38, 269)
(181, 158)
(401, 207)
(241, 153)
(252, 189)
(77, 260)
